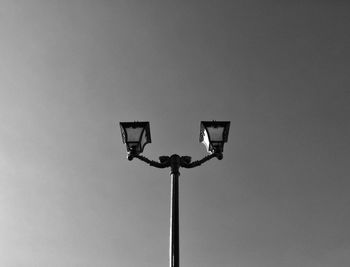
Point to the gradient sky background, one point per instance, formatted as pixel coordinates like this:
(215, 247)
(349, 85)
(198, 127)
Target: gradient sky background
(71, 70)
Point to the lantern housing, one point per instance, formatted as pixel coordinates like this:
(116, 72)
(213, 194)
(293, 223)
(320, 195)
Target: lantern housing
(213, 134)
(135, 135)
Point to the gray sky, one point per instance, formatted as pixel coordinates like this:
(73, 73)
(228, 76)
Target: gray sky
(71, 70)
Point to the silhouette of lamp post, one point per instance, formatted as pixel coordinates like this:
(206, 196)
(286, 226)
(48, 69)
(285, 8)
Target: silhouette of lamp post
(213, 134)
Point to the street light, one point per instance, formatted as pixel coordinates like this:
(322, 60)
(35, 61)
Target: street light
(135, 135)
(213, 134)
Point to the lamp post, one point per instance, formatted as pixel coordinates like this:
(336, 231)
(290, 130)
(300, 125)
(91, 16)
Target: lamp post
(213, 134)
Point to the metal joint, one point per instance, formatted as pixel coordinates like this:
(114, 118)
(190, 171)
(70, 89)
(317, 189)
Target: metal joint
(175, 164)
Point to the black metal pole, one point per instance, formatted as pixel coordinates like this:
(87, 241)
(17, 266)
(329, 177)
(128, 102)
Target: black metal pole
(175, 162)
(174, 250)
(174, 221)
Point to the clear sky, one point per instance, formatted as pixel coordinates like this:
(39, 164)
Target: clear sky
(71, 70)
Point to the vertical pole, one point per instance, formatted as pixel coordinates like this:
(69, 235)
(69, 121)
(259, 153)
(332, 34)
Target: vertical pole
(174, 250)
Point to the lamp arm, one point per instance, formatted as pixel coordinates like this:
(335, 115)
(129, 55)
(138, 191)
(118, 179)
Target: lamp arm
(197, 163)
(161, 165)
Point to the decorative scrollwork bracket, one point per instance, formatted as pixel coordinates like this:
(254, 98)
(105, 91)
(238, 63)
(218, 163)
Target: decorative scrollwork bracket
(175, 161)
